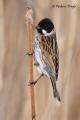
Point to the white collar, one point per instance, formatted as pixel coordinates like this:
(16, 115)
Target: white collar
(52, 32)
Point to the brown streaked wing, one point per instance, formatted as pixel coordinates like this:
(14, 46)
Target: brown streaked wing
(49, 49)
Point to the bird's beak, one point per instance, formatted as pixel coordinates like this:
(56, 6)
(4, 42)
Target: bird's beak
(37, 28)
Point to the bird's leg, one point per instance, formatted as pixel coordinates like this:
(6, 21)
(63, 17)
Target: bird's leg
(34, 82)
(29, 54)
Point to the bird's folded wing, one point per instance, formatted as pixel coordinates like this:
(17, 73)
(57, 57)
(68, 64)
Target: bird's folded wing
(50, 53)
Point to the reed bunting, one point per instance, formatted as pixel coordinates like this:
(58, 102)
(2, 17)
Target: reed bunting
(46, 53)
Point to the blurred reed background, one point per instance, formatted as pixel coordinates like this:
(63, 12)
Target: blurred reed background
(14, 69)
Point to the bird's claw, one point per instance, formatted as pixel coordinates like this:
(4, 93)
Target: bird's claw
(29, 54)
(32, 83)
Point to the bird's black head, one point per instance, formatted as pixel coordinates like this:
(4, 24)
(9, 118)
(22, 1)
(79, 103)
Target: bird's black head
(45, 26)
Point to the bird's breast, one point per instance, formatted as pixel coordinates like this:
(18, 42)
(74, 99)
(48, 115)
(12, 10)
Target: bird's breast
(38, 55)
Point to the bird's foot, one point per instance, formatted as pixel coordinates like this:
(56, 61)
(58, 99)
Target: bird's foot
(29, 54)
(32, 83)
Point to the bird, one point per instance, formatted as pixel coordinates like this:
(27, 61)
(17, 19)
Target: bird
(46, 53)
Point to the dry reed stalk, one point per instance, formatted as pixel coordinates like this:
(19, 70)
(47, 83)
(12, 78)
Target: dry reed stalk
(29, 23)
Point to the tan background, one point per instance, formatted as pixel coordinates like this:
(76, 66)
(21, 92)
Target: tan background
(14, 69)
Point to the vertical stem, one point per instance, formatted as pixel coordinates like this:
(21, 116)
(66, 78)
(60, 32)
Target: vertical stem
(29, 17)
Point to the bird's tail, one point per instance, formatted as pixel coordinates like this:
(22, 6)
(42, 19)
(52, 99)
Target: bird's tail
(55, 91)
